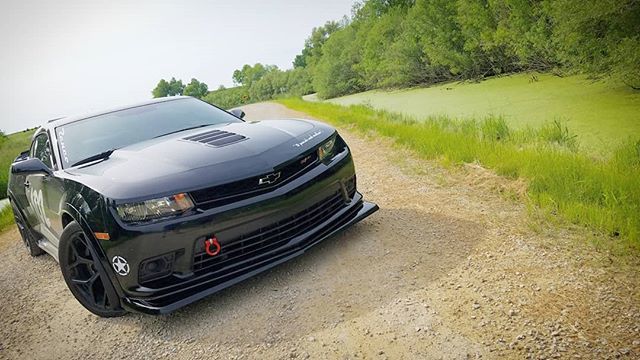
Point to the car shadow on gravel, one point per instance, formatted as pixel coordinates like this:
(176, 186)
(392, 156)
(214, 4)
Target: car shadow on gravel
(388, 256)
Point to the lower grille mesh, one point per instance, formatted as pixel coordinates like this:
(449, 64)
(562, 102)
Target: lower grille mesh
(270, 238)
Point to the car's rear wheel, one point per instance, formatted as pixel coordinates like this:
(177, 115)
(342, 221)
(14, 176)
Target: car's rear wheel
(25, 232)
(84, 275)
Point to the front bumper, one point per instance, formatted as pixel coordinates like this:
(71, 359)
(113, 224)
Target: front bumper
(206, 285)
(256, 234)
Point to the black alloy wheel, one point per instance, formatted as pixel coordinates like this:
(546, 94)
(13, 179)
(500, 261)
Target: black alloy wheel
(84, 274)
(27, 235)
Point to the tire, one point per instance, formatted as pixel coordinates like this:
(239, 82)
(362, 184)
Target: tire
(26, 233)
(84, 275)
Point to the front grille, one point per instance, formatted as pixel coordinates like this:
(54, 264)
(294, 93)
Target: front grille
(216, 138)
(267, 239)
(242, 189)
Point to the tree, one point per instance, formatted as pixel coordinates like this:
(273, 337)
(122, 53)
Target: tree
(598, 37)
(228, 98)
(299, 82)
(378, 36)
(312, 50)
(300, 61)
(377, 8)
(161, 90)
(336, 73)
(196, 89)
(250, 74)
(175, 87)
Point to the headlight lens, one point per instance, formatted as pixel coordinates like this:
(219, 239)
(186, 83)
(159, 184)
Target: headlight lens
(155, 208)
(325, 150)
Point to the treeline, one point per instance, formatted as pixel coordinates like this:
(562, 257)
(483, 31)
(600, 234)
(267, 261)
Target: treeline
(261, 82)
(399, 43)
(175, 87)
(395, 43)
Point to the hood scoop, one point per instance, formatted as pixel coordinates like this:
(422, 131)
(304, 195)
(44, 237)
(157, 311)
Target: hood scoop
(216, 138)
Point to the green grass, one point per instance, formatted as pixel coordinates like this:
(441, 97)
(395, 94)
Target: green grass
(6, 218)
(10, 147)
(602, 114)
(601, 194)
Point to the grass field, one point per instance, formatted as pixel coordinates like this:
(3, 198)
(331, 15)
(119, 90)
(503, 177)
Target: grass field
(6, 218)
(601, 114)
(601, 194)
(10, 147)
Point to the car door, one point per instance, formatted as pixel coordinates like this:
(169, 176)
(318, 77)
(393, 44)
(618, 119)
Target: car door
(35, 187)
(54, 195)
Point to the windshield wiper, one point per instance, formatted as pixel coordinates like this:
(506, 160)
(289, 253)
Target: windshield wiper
(185, 129)
(101, 156)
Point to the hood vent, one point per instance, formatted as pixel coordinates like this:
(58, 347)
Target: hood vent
(217, 138)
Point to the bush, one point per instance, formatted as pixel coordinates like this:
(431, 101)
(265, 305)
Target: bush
(228, 98)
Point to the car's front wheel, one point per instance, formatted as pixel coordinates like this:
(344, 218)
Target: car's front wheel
(84, 275)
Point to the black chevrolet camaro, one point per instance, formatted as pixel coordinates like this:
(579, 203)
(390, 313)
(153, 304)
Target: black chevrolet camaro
(154, 206)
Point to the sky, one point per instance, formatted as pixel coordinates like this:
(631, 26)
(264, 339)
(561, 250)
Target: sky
(65, 57)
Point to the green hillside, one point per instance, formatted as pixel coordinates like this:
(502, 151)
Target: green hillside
(10, 147)
(600, 113)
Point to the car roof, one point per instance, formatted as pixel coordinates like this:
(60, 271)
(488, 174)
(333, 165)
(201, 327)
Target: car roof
(69, 119)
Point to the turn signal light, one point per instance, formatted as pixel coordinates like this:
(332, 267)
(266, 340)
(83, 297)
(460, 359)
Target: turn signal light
(102, 236)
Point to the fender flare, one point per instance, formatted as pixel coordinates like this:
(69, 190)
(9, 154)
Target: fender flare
(73, 209)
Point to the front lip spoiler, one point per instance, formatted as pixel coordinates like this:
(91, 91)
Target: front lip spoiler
(138, 305)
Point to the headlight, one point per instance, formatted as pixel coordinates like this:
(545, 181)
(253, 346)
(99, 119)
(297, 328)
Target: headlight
(325, 150)
(155, 209)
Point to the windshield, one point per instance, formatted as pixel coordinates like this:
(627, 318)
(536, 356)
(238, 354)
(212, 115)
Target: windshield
(84, 138)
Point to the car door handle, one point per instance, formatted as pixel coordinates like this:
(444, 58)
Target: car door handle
(27, 183)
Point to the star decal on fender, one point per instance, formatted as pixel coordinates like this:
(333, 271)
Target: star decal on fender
(120, 265)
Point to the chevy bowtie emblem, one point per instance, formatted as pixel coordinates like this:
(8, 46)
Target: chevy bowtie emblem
(269, 179)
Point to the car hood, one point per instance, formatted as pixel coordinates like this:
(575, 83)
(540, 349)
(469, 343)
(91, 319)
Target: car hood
(173, 163)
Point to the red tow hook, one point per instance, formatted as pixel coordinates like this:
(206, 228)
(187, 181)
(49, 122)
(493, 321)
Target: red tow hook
(212, 246)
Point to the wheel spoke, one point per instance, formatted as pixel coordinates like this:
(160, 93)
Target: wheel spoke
(103, 299)
(88, 281)
(90, 292)
(81, 261)
(83, 274)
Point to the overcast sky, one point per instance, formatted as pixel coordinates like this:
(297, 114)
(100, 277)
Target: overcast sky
(66, 57)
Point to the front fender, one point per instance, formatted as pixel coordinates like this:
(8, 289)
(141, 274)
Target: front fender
(90, 217)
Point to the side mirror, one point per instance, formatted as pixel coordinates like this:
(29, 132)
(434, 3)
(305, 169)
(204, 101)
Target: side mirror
(30, 166)
(23, 156)
(238, 113)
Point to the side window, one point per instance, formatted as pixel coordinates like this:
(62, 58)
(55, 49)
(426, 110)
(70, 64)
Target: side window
(40, 149)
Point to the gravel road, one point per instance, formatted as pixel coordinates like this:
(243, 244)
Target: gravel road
(450, 267)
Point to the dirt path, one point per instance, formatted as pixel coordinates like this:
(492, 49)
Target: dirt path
(448, 268)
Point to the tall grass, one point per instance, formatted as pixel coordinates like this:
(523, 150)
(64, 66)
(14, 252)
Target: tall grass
(6, 218)
(10, 147)
(602, 194)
